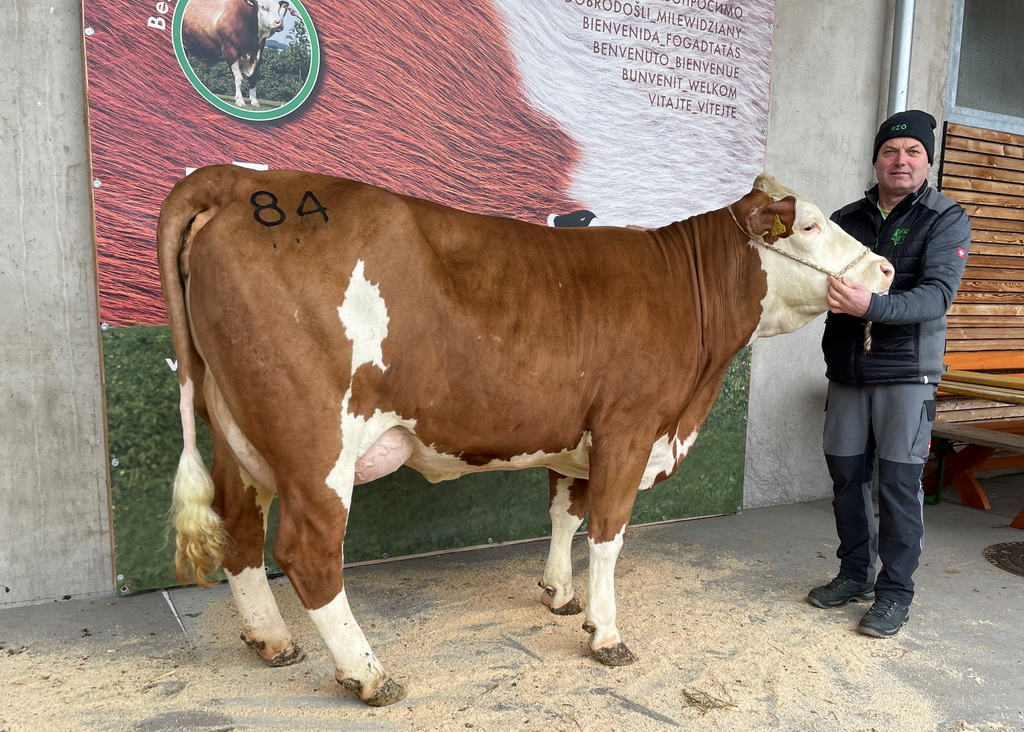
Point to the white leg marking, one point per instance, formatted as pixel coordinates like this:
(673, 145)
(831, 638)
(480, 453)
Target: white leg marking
(558, 570)
(353, 657)
(261, 618)
(601, 600)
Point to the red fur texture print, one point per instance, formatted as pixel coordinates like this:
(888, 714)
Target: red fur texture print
(421, 97)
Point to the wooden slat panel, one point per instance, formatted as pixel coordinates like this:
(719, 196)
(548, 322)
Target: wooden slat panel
(964, 413)
(949, 167)
(994, 291)
(1003, 381)
(976, 186)
(982, 133)
(985, 161)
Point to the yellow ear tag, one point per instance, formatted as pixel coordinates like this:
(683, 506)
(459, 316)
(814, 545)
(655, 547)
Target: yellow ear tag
(778, 228)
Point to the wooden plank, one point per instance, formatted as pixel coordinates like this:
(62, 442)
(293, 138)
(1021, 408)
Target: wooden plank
(971, 322)
(971, 309)
(1006, 381)
(990, 361)
(973, 334)
(985, 344)
(990, 212)
(996, 238)
(978, 436)
(982, 133)
(988, 413)
(1008, 250)
(978, 172)
(978, 259)
(993, 393)
(984, 161)
(978, 186)
(992, 279)
(986, 198)
(983, 223)
(968, 296)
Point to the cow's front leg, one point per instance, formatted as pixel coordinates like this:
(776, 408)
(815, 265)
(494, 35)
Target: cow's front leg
(308, 547)
(236, 71)
(567, 507)
(244, 504)
(614, 478)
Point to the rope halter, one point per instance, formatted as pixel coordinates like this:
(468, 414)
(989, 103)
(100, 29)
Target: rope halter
(760, 240)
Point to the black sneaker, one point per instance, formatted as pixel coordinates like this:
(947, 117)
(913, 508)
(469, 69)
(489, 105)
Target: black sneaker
(840, 591)
(884, 619)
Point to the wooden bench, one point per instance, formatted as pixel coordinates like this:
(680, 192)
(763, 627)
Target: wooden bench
(980, 416)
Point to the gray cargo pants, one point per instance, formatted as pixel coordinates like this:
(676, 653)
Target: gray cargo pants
(893, 423)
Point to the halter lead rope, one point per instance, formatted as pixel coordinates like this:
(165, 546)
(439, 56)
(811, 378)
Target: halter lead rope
(838, 275)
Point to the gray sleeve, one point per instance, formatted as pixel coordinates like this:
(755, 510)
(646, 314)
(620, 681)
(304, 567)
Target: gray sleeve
(942, 266)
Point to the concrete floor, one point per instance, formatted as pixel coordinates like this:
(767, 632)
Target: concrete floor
(966, 609)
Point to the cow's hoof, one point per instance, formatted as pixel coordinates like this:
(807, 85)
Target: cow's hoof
(573, 607)
(389, 693)
(617, 655)
(291, 654)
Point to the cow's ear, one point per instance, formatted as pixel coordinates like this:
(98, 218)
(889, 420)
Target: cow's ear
(774, 221)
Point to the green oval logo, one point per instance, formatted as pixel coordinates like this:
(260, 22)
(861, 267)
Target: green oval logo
(258, 84)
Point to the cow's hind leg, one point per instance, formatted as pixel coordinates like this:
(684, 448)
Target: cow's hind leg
(310, 533)
(567, 507)
(244, 503)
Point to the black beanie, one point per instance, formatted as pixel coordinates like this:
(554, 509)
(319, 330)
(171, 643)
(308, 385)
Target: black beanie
(912, 123)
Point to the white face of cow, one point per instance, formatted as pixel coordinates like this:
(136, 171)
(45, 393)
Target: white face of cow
(796, 289)
(269, 16)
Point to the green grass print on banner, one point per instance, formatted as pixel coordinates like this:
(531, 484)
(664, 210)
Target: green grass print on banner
(398, 515)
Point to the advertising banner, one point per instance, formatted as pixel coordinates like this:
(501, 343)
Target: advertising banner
(558, 112)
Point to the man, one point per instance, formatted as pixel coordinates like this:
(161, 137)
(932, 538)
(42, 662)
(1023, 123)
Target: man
(884, 359)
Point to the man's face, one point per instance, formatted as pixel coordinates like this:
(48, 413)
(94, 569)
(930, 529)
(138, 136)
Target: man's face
(901, 166)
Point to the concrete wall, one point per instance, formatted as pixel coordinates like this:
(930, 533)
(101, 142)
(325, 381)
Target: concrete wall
(830, 66)
(54, 510)
(828, 92)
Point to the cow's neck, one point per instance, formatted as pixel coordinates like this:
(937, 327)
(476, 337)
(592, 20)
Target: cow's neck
(729, 282)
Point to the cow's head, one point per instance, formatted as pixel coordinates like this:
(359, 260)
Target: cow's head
(799, 247)
(269, 16)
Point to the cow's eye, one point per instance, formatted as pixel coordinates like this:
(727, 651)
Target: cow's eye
(809, 227)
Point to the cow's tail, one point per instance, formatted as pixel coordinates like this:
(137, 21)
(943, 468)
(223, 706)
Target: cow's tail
(200, 531)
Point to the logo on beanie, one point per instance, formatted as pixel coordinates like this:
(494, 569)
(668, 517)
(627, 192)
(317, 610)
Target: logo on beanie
(899, 236)
(897, 128)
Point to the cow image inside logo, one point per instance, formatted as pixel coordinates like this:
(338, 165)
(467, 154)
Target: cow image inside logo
(403, 332)
(222, 46)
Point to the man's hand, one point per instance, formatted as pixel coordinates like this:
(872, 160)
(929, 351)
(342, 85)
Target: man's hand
(848, 297)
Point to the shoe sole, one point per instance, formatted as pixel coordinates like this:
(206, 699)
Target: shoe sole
(869, 597)
(876, 633)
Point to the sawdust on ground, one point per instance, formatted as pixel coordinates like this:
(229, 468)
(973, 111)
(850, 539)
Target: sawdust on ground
(718, 648)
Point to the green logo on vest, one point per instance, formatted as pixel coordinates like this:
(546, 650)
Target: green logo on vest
(898, 236)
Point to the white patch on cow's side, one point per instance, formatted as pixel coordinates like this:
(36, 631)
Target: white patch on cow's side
(261, 618)
(558, 569)
(665, 456)
(601, 599)
(437, 466)
(264, 496)
(365, 317)
(353, 657)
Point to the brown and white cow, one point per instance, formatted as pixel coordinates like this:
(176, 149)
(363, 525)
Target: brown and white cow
(330, 331)
(232, 31)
